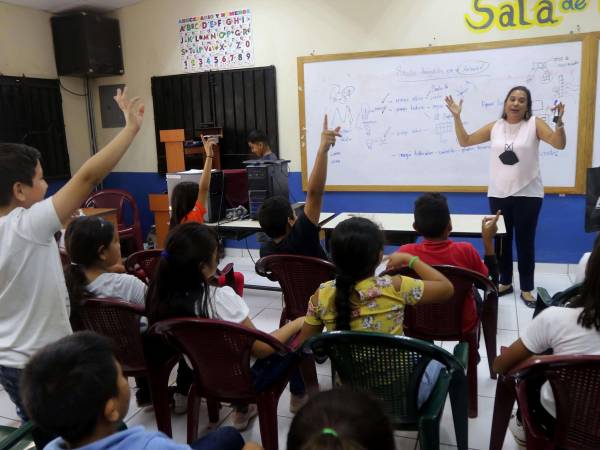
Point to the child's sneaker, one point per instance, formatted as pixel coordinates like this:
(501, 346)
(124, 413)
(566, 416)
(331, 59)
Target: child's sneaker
(180, 403)
(241, 419)
(516, 428)
(297, 402)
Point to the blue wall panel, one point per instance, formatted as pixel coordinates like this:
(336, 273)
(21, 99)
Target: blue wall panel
(560, 237)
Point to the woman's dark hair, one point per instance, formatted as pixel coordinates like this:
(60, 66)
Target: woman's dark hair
(65, 385)
(188, 247)
(83, 239)
(17, 165)
(589, 295)
(356, 245)
(183, 200)
(341, 420)
(528, 113)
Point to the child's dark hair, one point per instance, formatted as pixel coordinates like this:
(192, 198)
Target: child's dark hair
(356, 246)
(273, 216)
(84, 238)
(589, 295)
(257, 136)
(17, 165)
(188, 247)
(528, 113)
(183, 200)
(341, 420)
(432, 215)
(65, 385)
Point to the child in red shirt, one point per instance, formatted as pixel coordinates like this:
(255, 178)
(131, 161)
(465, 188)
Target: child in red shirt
(189, 200)
(432, 220)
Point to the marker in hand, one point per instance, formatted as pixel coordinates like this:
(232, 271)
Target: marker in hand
(556, 112)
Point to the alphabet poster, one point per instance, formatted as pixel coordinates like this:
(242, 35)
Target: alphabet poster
(216, 41)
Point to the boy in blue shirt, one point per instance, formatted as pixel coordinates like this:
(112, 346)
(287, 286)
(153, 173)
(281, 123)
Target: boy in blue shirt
(75, 388)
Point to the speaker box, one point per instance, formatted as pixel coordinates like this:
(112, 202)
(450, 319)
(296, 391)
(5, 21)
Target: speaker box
(87, 45)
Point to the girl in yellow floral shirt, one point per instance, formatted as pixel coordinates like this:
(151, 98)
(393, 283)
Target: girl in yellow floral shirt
(357, 299)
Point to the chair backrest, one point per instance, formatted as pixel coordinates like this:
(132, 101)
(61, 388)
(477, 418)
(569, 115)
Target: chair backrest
(575, 381)
(443, 320)
(115, 198)
(390, 367)
(143, 264)
(120, 321)
(219, 351)
(298, 276)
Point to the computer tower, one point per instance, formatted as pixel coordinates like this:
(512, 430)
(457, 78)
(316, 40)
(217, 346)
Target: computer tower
(266, 179)
(216, 202)
(87, 45)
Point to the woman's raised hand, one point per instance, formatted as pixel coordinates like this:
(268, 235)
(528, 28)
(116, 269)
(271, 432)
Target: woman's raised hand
(454, 108)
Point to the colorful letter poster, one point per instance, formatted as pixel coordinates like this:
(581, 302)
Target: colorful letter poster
(216, 41)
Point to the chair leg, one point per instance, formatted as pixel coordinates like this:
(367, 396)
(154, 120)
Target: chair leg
(472, 375)
(267, 418)
(503, 405)
(459, 404)
(159, 383)
(213, 410)
(429, 434)
(308, 370)
(489, 322)
(193, 414)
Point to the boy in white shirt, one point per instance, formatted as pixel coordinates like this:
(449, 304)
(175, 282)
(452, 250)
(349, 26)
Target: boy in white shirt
(33, 296)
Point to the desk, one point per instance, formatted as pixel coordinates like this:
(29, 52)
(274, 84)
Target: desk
(398, 228)
(247, 227)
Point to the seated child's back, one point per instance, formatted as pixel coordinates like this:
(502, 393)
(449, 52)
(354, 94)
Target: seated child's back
(432, 220)
(94, 249)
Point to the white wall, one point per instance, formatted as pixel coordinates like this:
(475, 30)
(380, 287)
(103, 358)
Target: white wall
(283, 30)
(26, 49)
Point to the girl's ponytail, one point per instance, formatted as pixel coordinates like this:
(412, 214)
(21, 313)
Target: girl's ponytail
(343, 288)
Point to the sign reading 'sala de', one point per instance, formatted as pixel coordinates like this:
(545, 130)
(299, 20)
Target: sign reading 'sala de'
(520, 14)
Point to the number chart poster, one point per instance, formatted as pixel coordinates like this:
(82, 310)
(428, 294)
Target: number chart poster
(216, 41)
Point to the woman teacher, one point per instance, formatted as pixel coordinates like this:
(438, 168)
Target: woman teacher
(515, 185)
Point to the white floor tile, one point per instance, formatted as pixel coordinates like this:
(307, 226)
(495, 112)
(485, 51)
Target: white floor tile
(552, 282)
(7, 407)
(267, 320)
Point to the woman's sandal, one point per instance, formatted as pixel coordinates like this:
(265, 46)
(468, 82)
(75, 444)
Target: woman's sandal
(505, 289)
(528, 299)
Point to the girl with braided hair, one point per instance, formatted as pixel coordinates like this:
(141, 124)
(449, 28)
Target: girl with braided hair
(359, 300)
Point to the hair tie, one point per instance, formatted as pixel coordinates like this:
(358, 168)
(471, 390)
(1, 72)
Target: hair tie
(74, 263)
(165, 254)
(329, 431)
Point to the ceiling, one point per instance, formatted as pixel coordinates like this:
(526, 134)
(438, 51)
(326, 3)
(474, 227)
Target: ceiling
(60, 6)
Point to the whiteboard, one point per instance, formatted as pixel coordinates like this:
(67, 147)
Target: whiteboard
(596, 152)
(397, 131)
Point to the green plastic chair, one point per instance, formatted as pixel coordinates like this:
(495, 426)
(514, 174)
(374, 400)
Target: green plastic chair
(16, 438)
(390, 368)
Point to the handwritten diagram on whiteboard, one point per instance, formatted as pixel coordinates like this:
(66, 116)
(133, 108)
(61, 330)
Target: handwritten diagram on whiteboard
(398, 132)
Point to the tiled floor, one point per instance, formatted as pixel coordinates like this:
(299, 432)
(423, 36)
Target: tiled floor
(265, 309)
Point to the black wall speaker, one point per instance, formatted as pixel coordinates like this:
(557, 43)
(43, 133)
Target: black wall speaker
(87, 45)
